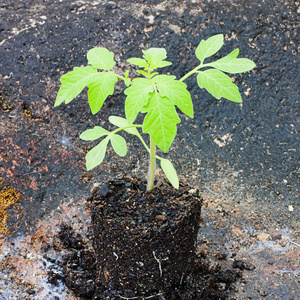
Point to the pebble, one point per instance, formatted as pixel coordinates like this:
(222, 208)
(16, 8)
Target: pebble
(275, 234)
(160, 218)
(237, 231)
(192, 191)
(263, 236)
(243, 265)
(104, 190)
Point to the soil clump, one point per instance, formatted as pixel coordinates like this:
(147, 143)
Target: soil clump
(143, 247)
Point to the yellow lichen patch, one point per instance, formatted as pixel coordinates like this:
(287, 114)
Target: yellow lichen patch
(85, 177)
(29, 114)
(8, 197)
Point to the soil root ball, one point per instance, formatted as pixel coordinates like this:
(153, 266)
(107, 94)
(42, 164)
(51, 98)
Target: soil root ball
(144, 240)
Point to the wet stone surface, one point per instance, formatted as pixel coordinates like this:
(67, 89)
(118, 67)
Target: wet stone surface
(244, 159)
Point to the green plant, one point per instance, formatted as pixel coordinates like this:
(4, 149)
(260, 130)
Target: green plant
(152, 94)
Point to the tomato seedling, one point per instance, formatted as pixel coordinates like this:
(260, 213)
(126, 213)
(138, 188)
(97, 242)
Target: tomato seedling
(152, 94)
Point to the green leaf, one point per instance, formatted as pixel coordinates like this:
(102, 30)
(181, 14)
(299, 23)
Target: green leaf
(153, 74)
(176, 91)
(100, 88)
(94, 133)
(170, 172)
(231, 64)
(138, 62)
(127, 81)
(160, 121)
(148, 76)
(137, 97)
(209, 47)
(73, 83)
(95, 156)
(162, 64)
(155, 58)
(142, 72)
(119, 144)
(154, 55)
(219, 85)
(101, 58)
(121, 123)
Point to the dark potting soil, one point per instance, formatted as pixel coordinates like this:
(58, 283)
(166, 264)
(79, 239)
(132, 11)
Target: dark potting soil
(143, 247)
(144, 241)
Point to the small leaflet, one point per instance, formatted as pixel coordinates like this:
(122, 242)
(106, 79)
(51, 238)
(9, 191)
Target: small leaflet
(101, 86)
(176, 91)
(160, 121)
(231, 64)
(119, 144)
(73, 83)
(121, 123)
(96, 155)
(209, 47)
(142, 63)
(101, 58)
(154, 55)
(170, 172)
(137, 97)
(94, 133)
(219, 85)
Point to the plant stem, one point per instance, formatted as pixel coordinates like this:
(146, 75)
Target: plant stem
(129, 126)
(123, 78)
(193, 71)
(152, 165)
